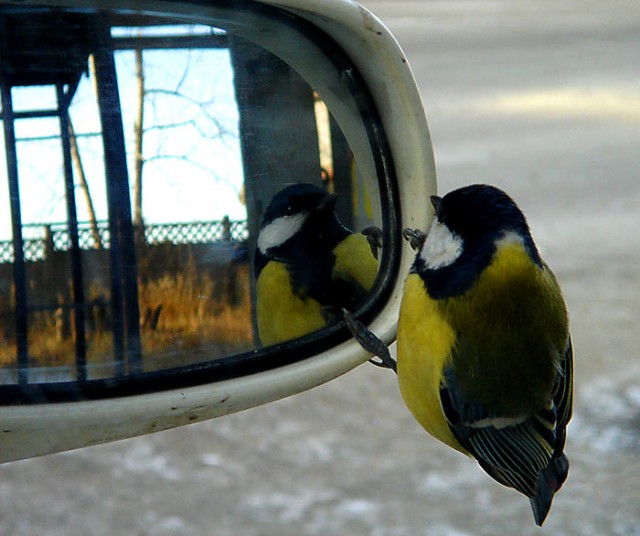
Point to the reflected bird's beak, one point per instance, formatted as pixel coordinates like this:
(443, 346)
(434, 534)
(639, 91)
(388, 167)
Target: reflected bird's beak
(327, 203)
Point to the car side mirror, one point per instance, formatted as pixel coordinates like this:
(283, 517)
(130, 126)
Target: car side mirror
(144, 144)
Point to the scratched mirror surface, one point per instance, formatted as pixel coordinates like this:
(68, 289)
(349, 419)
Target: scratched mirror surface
(175, 191)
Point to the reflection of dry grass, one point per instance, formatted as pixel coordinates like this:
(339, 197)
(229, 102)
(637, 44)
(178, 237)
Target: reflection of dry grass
(197, 318)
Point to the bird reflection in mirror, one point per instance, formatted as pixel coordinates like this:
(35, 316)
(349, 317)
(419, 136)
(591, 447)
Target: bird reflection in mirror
(308, 265)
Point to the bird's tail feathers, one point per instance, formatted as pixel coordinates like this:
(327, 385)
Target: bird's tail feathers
(550, 481)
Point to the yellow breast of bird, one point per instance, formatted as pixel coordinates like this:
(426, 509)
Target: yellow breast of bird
(354, 260)
(283, 315)
(425, 340)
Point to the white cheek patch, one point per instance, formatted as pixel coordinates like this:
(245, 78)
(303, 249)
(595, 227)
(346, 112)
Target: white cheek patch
(441, 248)
(279, 231)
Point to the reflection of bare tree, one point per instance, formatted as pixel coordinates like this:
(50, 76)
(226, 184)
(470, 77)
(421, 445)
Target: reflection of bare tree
(138, 134)
(205, 126)
(82, 183)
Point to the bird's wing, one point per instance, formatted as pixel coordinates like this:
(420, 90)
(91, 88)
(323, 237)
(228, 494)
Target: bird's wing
(554, 475)
(563, 396)
(515, 452)
(354, 271)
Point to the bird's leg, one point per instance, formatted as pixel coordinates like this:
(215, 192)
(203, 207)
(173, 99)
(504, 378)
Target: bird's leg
(415, 237)
(331, 314)
(369, 341)
(374, 237)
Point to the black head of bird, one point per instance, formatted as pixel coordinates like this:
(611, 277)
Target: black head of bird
(299, 223)
(462, 239)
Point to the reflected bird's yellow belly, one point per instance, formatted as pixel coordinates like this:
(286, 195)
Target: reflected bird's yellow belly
(355, 262)
(282, 315)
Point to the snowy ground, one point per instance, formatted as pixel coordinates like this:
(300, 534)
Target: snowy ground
(541, 98)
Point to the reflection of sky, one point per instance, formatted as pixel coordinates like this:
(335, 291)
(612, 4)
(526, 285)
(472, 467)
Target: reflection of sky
(193, 171)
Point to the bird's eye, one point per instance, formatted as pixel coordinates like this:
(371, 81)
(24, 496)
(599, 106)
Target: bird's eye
(288, 211)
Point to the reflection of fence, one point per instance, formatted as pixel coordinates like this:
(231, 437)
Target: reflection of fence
(55, 236)
(196, 233)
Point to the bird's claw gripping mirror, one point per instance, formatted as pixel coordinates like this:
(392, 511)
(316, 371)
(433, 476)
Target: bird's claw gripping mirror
(415, 237)
(370, 342)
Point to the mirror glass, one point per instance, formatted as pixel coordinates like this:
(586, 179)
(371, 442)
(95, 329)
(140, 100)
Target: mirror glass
(175, 190)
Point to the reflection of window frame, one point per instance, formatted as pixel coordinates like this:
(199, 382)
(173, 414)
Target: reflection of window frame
(92, 40)
(74, 37)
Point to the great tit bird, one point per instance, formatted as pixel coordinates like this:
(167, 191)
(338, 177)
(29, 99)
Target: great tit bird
(308, 265)
(484, 354)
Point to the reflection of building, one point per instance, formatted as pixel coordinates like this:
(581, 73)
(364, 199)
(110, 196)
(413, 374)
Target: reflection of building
(45, 48)
(53, 48)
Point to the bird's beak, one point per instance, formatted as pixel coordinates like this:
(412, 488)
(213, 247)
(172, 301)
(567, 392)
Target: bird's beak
(436, 201)
(327, 203)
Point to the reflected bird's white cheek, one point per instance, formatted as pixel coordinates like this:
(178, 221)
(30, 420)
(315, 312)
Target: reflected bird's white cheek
(279, 231)
(441, 248)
